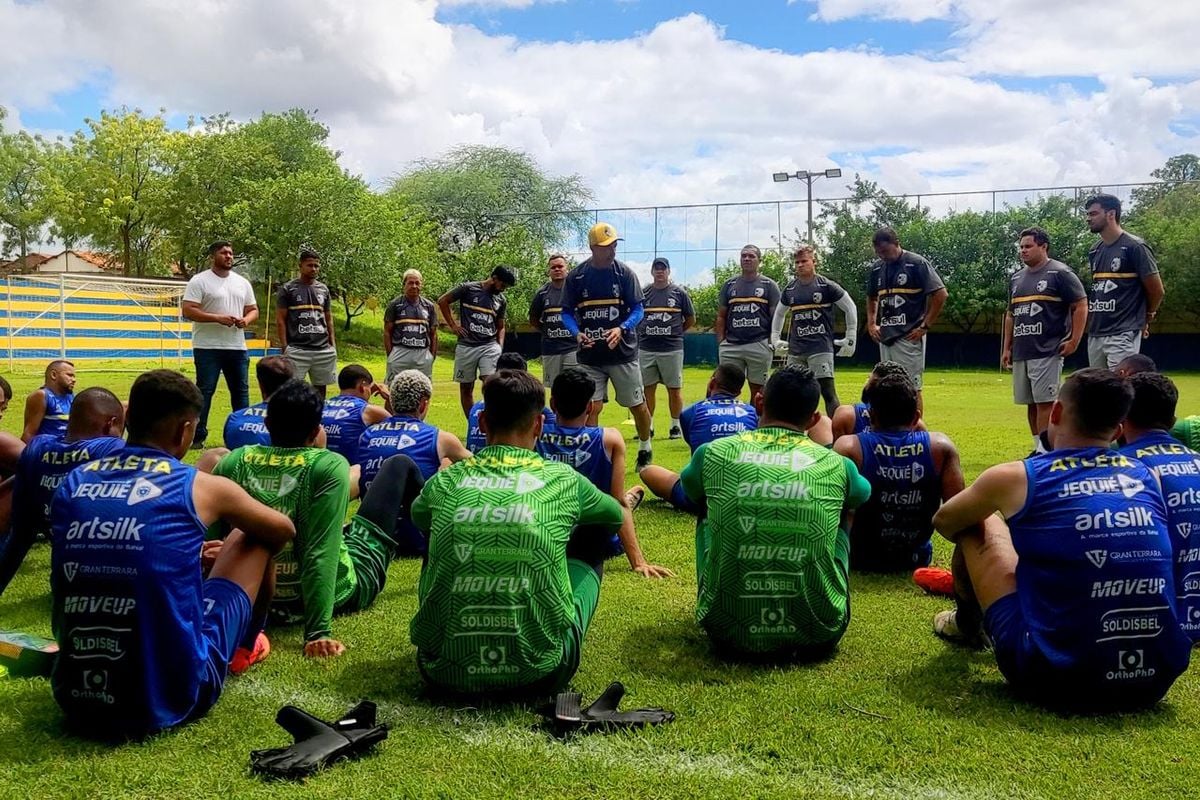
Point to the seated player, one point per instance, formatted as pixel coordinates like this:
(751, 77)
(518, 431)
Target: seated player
(911, 473)
(47, 409)
(596, 453)
(246, 426)
(851, 419)
(96, 423)
(772, 552)
(328, 569)
(406, 432)
(515, 558)
(350, 412)
(6, 395)
(1187, 430)
(1148, 439)
(475, 439)
(145, 641)
(1073, 580)
(721, 413)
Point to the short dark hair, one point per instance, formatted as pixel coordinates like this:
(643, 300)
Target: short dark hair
(1107, 202)
(512, 361)
(881, 370)
(6, 387)
(159, 396)
(293, 413)
(884, 236)
(511, 399)
(218, 244)
(572, 390)
(791, 395)
(354, 374)
(1096, 401)
(307, 254)
(1038, 233)
(730, 377)
(1137, 363)
(892, 400)
(93, 407)
(272, 372)
(1154, 400)
(505, 275)
(58, 363)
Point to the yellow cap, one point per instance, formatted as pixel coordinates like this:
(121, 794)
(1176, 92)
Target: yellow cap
(602, 234)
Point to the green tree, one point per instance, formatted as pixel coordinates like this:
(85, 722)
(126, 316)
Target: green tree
(1171, 226)
(24, 197)
(1177, 170)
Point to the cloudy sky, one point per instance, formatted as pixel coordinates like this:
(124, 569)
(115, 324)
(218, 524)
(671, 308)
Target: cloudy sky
(654, 102)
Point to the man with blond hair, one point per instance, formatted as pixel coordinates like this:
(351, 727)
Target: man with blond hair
(410, 329)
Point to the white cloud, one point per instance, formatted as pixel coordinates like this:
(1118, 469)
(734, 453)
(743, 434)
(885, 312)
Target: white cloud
(906, 10)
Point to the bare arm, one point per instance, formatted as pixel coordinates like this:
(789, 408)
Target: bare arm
(373, 415)
(10, 452)
(443, 303)
(329, 327)
(627, 533)
(689, 322)
(719, 325)
(249, 315)
(218, 498)
(1000, 489)
(281, 326)
(1007, 341)
(191, 310)
(1078, 325)
(1155, 292)
(843, 422)
(952, 474)
(387, 336)
(848, 446)
(500, 331)
(450, 448)
(933, 306)
(35, 412)
(872, 317)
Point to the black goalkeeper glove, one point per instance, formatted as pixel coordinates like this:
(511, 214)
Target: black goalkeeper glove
(603, 713)
(318, 743)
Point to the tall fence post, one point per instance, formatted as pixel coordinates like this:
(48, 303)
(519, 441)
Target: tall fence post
(716, 232)
(62, 316)
(8, 289)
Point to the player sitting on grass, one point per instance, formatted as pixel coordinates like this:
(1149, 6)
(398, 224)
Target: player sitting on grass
(721, 413)
(911, 473)
(47, 409)
(246, 426)
(475, 439)
(407, 433)
(851, 419)
(596, 453)
(516, 553)
(1073, 581)
(772, 552)
(328, 569)
(144, 641)
(94, 429)
(1148, 439)
(348, 414)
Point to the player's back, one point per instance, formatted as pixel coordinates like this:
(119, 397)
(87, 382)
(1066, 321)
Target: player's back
(715, 417)
(775, 573)
(581, 448)
(892, 530)
(127, 599)
(342, 419)
(476, 440)
(1094, 576)
(247, 426)
(57, 414)
(410, 436)
(43, 466)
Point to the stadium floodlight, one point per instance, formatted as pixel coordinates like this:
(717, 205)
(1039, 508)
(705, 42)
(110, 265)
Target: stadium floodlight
(808, 177)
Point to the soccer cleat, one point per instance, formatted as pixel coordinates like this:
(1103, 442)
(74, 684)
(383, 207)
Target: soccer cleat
(643, 459)
(945, 626)
(634, 497)
(675, 433)
(934, 580)
(243, 658)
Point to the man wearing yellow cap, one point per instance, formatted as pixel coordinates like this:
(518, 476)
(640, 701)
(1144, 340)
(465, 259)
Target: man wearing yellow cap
(601, 307)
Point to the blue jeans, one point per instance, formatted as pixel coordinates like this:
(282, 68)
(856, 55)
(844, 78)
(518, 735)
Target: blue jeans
(210, 365)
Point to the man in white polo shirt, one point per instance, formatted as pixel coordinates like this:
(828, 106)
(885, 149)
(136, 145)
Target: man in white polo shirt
(220, 303)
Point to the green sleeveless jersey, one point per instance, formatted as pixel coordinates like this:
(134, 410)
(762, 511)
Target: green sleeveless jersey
(772, 561)
(494, 595)
(312, 487)
(1187, 430)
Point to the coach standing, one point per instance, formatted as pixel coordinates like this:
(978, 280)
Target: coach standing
(479, 327)
(1126, 287)
(745, 309)
(905, 296)
(669, 313)
(410, 330)
(1047, 312)
(220, 303)
(304, 324)
(560, 349)
(602, 307)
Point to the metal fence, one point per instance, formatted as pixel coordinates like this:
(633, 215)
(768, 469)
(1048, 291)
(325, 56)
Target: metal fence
(696, 238)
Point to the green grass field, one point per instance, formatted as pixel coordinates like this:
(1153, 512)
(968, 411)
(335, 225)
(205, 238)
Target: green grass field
(895, 713)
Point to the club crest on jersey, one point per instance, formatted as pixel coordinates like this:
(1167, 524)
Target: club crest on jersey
(1041, 286)
(758, 292)
(817, 297)
(616, 291)
(1115, 266)
(142, 490)
(671, 302)
(902, 279)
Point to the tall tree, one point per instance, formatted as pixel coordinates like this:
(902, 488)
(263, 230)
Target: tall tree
(24, 207)
(1177, 170)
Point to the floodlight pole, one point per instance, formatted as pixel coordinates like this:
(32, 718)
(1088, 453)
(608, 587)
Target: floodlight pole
(808, 177)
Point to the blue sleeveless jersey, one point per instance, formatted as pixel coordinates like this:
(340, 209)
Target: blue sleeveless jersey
(714, 418)
(1178, 470)
(44, 465)
(892, 529)
(58, 411)
(128, 605)
(1094, 574)
(408, 435)
(582, 448)
(342, 420)
(247, 426)
(476, 441)
(862, 417)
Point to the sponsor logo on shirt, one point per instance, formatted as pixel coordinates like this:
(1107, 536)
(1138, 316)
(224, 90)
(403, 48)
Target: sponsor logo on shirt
(95, 687)
(522, 483)
(88, 604)
(772, 622)
(1128, 587)
(1188, 496)
(493, 660)
(121, 529)
(1131, 665)
(1123, 484)
(142, 491)
(1132, 517)
(1131, 623)
(510, 515)
(797, 460)
(97, 642)
(765, 490)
